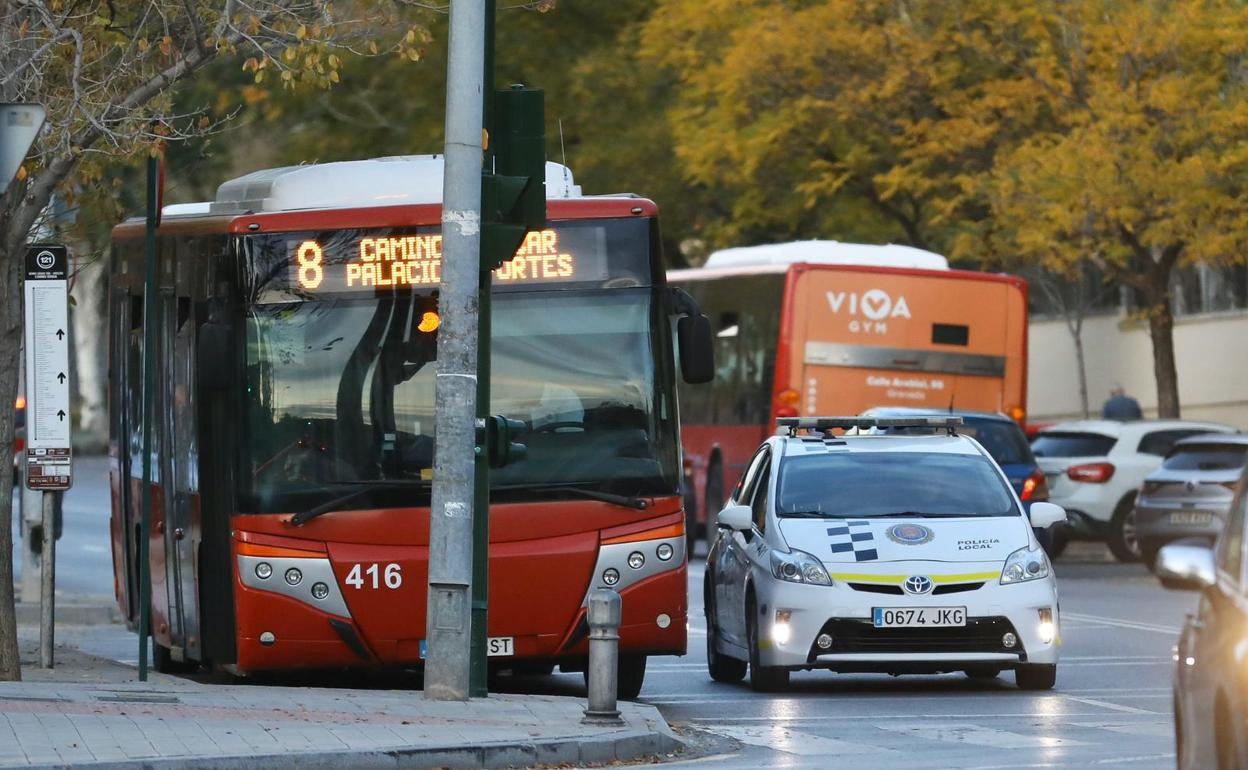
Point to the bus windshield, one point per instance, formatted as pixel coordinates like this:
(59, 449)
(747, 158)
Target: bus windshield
(340, 392)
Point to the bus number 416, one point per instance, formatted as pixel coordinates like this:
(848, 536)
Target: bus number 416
(390, 574)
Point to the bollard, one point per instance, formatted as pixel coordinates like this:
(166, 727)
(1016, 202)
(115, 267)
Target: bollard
(602, 672)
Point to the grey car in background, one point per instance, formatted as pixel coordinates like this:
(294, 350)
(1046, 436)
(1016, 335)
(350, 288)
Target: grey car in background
(1190, 494)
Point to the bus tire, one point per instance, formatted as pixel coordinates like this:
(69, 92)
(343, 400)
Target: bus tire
(163, 662)
(632, 676)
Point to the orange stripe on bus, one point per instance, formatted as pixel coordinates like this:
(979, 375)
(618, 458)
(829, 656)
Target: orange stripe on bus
(255, 549)
(673, 530)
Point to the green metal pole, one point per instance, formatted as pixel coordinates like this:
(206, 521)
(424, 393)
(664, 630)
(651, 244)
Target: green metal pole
(478, 670)
(149, 388)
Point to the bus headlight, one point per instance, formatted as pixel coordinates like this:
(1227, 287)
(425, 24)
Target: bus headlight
(1024, 565)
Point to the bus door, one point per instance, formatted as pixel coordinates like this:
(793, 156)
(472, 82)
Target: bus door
(127, 340)
(182, 527)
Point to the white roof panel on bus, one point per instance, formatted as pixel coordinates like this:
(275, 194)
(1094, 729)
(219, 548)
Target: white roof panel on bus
(395, 181)
(827, 253)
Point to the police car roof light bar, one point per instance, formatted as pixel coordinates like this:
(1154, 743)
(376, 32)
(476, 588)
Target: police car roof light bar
(825, 424)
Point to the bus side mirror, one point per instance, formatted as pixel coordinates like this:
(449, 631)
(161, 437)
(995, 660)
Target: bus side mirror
(213, 359)
(697, 356)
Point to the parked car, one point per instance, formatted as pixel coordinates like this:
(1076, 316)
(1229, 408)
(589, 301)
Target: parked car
(1096, 467)
(1210, 675)
(1189, 496)
(878, 553)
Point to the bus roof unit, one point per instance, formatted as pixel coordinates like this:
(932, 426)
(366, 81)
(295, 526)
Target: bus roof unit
(395, 181)
(827, 253)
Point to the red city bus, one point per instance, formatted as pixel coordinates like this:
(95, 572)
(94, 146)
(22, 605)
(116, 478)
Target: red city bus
(820, 327)
(293, 445)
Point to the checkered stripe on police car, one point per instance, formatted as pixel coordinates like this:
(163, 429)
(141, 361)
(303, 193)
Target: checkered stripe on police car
(854, 537)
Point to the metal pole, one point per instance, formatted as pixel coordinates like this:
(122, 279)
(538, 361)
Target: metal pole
(479, 666)
(601, 675)
(29, 509)
(47, 583)
(149, 388)
(450, 528)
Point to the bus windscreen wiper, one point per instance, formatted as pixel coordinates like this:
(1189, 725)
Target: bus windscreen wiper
(633, 502)
(364, 488)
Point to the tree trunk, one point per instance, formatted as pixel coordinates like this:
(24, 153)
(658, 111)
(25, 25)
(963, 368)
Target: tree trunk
(10, 341)
(1161, 329)
(1077, 332)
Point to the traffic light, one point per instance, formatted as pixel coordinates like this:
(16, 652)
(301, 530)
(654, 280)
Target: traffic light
(496, 440)
(513, 195)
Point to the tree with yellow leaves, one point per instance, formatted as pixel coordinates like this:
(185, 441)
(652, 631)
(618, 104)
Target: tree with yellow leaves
(1143, 170)
(998, 131)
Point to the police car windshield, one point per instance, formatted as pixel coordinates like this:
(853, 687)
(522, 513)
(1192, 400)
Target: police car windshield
(866, 484)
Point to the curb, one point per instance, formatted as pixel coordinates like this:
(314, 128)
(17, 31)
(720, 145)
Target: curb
(71, 614)
(622, 745)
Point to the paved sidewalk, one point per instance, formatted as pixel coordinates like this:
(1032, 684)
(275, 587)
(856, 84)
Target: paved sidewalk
(89, 712)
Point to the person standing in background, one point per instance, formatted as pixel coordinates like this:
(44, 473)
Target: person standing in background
(1119, 406)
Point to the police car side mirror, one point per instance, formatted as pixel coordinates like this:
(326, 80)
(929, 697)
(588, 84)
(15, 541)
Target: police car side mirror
(738, 517)
(697, 357)
(1045, 515)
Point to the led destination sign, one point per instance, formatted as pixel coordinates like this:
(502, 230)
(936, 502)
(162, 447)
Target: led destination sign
(372, 262)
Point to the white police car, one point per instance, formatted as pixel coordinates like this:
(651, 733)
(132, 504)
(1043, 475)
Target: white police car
(879, 553)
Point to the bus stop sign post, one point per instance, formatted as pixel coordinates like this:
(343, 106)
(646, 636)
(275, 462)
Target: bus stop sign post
(49, 456)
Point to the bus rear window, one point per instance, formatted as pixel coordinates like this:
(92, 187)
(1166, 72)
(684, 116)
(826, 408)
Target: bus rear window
(951, 334)
(1072, 445)
(1206, 457)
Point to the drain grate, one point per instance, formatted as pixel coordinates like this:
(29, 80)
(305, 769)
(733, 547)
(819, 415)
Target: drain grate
(136, 697)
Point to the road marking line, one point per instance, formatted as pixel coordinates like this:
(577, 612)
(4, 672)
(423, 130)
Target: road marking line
(1130, 624)
(1140, 758)
(980, 736)
(1042, 714)
(1112, 706)
(1152, 729)
(780, 738)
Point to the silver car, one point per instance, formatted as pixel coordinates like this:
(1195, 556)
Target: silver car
(1190, 494)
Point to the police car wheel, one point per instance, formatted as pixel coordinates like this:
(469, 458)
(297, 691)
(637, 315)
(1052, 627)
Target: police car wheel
(763, 678)
(1036, 676)
(722, 668)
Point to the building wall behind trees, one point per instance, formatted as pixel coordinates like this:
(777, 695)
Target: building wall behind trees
(1213, 371)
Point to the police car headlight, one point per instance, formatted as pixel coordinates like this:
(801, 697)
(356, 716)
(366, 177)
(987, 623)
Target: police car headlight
(1025, 564)
(799, 567)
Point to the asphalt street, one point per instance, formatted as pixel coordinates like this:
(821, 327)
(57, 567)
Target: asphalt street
(84, 566)
(1111, 706)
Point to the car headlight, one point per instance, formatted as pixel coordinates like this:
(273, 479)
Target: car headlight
(1025, 564)
(799, 567)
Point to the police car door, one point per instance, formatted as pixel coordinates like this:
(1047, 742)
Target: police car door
(741, 549)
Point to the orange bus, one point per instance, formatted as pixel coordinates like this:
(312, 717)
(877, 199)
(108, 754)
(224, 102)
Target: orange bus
(821, 327)
(293, 449)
